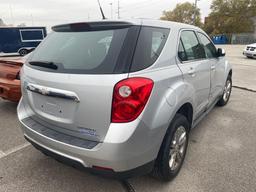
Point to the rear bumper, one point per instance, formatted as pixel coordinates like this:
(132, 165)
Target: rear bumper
(249, 53)
(10, 89)
(134, 156)
(107, 173)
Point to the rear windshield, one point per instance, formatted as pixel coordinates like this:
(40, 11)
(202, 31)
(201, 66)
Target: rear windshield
(82, 52)
(109, 51)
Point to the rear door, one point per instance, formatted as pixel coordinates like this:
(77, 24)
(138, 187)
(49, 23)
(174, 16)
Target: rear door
(69, 78)
(217, 67)
(195, 68)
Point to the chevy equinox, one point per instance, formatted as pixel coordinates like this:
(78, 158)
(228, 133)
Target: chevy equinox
(120, 97)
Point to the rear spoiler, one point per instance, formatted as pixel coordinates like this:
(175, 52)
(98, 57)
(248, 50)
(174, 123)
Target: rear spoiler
(91, 26)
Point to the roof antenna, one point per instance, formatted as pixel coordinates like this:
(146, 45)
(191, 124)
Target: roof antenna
(102, 13)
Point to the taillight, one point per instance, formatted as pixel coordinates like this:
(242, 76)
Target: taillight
(129, 98)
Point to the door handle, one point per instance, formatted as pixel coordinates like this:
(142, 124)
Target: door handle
(192, 72)
(213, 67)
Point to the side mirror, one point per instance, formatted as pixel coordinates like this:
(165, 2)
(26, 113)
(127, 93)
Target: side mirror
(221, 52)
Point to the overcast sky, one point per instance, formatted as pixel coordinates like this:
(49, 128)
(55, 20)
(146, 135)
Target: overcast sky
(52, 12)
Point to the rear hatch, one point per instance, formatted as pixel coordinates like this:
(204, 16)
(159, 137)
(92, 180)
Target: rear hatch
(68, 80)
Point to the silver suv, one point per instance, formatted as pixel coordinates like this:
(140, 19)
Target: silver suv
(120, 97)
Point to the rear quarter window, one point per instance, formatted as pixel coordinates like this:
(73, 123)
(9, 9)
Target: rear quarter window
(150, 44)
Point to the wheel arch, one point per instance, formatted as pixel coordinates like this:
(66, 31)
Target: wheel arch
(187, 110)
(228, 70)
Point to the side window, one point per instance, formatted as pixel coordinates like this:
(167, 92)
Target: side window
(150, 44)
(193, 49)
(209, 48)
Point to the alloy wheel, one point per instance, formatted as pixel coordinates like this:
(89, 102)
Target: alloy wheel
(227, 90)
(178, 147)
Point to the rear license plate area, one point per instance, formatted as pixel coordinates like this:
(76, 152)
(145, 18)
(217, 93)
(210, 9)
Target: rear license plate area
(51, 108)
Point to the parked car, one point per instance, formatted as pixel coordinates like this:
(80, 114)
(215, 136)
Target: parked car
(119, 97)
(20, 40)
(10, 79)
(250, 51)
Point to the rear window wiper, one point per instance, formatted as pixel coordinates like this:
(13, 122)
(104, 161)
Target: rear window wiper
(45, 64)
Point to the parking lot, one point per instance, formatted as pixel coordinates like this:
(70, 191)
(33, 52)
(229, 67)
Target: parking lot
(221, 154)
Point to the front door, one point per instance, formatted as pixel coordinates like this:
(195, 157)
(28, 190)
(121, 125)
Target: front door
(217, 67)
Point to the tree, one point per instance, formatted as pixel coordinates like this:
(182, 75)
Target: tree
(184, 13)
(231, 16)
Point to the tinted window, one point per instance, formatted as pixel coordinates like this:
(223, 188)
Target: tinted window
(89, 52)
(150, 44)
(192, 47)
(209, 48)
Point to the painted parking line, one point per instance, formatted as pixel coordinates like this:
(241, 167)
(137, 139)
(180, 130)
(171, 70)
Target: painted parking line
(13, 150)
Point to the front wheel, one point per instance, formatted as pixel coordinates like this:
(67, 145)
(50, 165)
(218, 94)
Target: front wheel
(173, 149)
(227, 92)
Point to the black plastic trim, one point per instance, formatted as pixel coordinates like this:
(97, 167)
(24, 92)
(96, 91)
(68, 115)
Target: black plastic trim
(126, 55)
(58, 136)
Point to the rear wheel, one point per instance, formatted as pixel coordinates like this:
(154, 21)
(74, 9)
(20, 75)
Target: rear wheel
(173, 149)
(23, 52)
(227, 92)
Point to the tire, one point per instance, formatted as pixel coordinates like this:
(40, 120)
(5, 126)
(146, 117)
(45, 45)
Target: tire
(166, 168)
(23, 52)
(227, 92)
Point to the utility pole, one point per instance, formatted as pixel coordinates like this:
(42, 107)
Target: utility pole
(32, 20)
(118, 9)
(111, 9)
(11, 14)
(195, 12)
